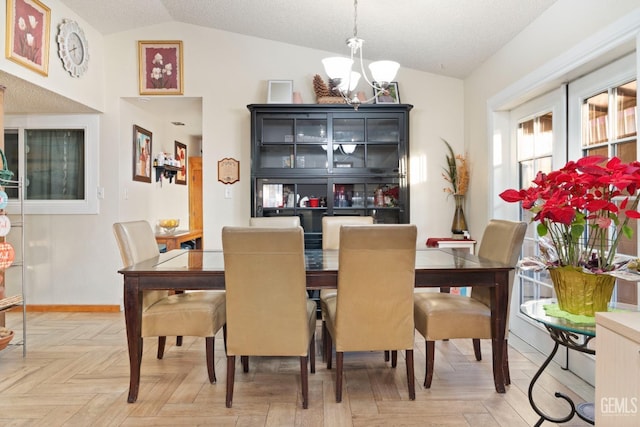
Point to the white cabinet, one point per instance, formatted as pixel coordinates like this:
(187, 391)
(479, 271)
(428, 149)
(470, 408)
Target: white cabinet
(617, 369)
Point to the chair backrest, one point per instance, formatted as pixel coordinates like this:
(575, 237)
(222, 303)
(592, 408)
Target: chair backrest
(501, 242)
(275, 221)
(331, 228)
(376, 279)
(137, 243)
(265, 282)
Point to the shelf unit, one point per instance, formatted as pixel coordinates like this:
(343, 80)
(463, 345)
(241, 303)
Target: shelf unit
(166, 171)
(313, 160)
(16, 237)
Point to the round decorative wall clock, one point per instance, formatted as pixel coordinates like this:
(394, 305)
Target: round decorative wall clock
(73, 48)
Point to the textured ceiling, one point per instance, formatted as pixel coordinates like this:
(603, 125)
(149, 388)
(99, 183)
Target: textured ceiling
(447, 37)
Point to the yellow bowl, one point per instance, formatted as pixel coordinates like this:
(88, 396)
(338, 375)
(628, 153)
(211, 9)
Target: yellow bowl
(169, 225)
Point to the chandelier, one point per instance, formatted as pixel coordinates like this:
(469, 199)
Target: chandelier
(344, 80)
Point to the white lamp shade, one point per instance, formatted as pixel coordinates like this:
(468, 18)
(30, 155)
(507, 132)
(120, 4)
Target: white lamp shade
(349, 84)
(349, 148)
(384, 71)
(337, 67)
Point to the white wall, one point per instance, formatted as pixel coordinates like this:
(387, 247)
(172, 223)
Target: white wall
(228, 81)
(558, 30)
(89, 89)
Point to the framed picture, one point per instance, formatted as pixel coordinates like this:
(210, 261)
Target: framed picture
(389, 96)
(160, 67)
(181, 156)
(28, 28)
(280, 92)
(228, 170)
(141, 154)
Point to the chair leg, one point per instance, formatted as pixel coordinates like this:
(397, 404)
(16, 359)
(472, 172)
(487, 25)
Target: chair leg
(476, 349)
(329, 351)
(304, 380)
(231, 371)
(430, 350)
(245, 363)
(394, 358)
(312, 353)
(161, 342)
(224, 337)
(211, 369)
(386, 355)
(411, 379)
(323, 340)
(505, 367)
(339, 365)
(179, 341)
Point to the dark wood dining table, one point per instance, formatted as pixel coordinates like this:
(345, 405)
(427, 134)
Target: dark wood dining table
(204, 270)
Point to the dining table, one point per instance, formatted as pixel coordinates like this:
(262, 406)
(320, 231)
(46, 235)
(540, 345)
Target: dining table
(182, 270)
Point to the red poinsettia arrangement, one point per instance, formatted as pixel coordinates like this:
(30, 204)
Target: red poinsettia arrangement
(584, 209)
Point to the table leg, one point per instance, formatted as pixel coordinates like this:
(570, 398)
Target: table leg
(570, 341)
(499, 302)
(133, 321)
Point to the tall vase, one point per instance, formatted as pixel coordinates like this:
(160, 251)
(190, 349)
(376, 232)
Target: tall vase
(581, 293)
(459, 225)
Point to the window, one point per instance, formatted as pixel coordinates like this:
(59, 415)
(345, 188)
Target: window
(534, 140)
(602, 121)
(56, 158)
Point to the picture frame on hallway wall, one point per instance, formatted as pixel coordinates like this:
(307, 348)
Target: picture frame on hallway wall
(160, 67)
(181, 156)
(142, 144)
(28, 32)
(389, 96)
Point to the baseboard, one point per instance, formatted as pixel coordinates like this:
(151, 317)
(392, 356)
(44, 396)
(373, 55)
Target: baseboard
(72, 308)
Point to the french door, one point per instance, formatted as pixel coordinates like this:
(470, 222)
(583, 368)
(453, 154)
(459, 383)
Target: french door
(596, 114)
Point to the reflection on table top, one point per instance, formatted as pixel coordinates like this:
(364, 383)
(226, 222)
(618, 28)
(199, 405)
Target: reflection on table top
(534, 309)
(316, 260)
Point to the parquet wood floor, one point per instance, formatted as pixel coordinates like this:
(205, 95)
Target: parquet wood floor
(76, 374)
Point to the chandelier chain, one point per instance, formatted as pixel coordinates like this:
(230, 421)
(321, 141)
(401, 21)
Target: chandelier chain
(355, 18)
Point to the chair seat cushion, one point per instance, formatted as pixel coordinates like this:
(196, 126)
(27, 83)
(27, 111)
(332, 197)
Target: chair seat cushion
(325, 295)
(200, 314)
(441, 316)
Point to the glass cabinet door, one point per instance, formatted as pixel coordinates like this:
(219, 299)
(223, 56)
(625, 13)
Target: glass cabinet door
(380, 199)
(371, 143)
(292, 143)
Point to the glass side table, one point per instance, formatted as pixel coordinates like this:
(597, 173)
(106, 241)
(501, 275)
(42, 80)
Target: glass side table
(571, 335)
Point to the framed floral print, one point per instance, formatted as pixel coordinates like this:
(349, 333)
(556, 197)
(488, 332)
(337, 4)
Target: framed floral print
(160, 67)
(141, 154)
(28, 28)
(181, 156)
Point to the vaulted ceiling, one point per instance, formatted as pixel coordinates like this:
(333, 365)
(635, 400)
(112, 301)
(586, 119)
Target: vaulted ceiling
(447, 37)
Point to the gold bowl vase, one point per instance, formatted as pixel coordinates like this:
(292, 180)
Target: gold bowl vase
(582, 293)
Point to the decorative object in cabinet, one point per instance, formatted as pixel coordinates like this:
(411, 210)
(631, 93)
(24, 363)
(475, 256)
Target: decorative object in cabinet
(312, 160)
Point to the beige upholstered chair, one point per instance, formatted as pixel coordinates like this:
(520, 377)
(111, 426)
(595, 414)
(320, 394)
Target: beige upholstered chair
(198, 314)
(275, 221)
(268, 312)
(440, 316)
(373, 310)
(331, 241)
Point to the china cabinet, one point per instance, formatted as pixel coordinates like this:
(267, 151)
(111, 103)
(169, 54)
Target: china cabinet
(315, 160)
